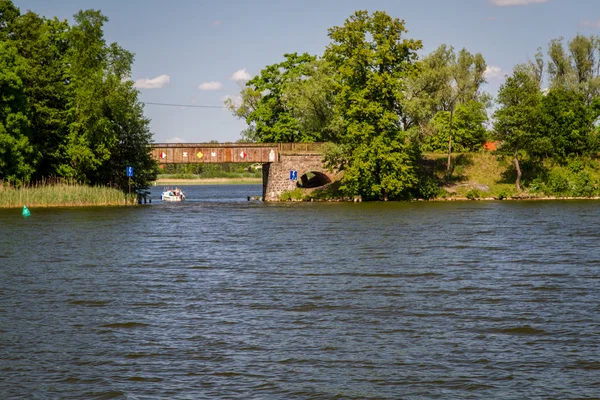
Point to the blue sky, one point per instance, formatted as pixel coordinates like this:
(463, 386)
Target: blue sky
(185, 47)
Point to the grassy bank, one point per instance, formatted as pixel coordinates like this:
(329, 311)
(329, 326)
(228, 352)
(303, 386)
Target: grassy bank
(493, 176)
(489, 176)
(61, 195)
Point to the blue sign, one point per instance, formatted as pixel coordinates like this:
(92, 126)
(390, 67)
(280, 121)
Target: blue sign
(293, 175)
(129, 171)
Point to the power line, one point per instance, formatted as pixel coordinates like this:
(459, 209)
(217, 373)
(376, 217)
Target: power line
(181, 105)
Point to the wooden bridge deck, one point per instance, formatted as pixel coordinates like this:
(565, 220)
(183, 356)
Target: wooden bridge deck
(200, 153)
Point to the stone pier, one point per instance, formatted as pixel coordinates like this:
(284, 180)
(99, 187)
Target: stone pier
(276, 175)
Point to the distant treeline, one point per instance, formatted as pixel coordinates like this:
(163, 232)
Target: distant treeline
(67, 106)
(382, 106)
(224, 170)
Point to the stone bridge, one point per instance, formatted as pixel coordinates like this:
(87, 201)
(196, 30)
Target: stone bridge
(285, 165)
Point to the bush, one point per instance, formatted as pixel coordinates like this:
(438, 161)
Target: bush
(504, 194)
(292, 195)
(473, 194)
(558, 182)
(577, 180)
(428, 189)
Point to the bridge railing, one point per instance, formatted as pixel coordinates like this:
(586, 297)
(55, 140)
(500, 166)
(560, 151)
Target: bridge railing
(285, 147)
(314, 147)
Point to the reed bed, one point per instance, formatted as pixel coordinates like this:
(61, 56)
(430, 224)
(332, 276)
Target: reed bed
(61, 194)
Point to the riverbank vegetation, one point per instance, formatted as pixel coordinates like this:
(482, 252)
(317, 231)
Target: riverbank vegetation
(67, 106)
(483, 175)
(231, 171)
(396, 118)
(62, 194)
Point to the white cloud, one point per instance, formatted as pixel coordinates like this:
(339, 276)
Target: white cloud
(154, 83)
(593, 24)
(176, 140)
(211, 86)
(241, 75)
(508, 3)
(492, 73)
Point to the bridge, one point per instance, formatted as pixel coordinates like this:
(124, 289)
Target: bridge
(282, 162)
(201, 153)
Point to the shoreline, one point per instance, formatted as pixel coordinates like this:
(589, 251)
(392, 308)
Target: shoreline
(207, 181)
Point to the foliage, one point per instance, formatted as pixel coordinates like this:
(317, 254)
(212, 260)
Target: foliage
(469, 134)
(292, 195)
(371, 60)
(518, 118)
(15, 148)
(263, 105)
(428, 188)
(68, 108)
(567, 123)
(310, 101)
(473, 194)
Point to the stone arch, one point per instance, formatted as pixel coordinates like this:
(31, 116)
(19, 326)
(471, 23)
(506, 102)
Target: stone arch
(276, 175)
(313, 179)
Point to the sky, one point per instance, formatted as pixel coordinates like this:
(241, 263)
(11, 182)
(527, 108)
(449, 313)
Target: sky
(199, 52)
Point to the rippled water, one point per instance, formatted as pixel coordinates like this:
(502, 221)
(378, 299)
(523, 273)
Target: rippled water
(219, 297)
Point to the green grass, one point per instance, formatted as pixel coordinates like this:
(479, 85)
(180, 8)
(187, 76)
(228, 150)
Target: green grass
(471, 172)
(61, 195)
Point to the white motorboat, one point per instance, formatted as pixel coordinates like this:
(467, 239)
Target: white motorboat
(172, 195)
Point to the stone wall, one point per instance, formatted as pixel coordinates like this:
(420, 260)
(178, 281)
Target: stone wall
(276, 176)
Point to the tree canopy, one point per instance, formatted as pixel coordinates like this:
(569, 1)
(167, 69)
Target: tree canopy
(67, 107)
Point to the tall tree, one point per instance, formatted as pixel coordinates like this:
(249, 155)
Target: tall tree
(15, 149)
(43, 45)
(467, 74)
(67, 107)
(372, 60)
(311, 101)
(263, 106)
(518, 120)
(446, 81)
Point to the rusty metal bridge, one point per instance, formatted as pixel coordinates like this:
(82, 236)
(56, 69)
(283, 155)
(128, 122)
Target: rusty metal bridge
(201, 153)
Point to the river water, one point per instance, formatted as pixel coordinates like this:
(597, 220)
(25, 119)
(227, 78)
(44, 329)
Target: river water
(218, 297)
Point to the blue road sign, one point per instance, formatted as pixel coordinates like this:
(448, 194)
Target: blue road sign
(129, 171)
(293, 175)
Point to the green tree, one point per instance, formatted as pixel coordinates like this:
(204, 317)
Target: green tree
(67, 107)
(425, 89)
(372, 60)
(469, 131)
(568, 123)
(15, 149)
(518, 120)
(263, 106)
(311, 101)
(446, 82)
(42, 44)
(107, 129)
(467, 74)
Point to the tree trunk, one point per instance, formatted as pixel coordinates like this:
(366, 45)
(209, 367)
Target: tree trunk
(518, 170)
(448, 166)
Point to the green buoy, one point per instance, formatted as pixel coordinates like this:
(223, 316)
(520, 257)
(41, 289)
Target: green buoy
(26, 212)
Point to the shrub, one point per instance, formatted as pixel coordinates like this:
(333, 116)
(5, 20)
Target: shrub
(428, 189)
(473, 194)
(504, 194)
(292, 195)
